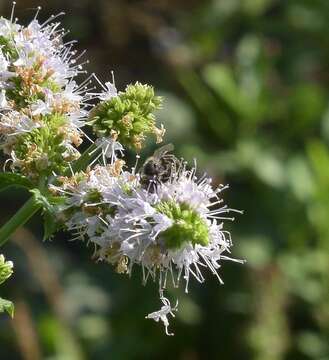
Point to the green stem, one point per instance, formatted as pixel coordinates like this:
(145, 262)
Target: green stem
(19, 219)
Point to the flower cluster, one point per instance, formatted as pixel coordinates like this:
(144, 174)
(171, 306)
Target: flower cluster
(126, 117)
(173, 231)
(42, 107)
(162, 218)
(91, 198)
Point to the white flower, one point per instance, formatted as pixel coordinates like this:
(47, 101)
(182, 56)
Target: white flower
(108, 90)
(175, 227)
(163, 313)
(40, 107)
(162, 222)
(3, 63)
(3, 100)
(98, 189)
(175, 231)
(109, 93)
(7, 27)
(15, 123)
(109, 149)
(4, 73)
(46, 93)
(70, 92)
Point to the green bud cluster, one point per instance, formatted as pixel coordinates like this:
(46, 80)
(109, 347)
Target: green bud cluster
(20, 94)
(188, 226)
(43, 150)
(6, 269)
(128, 117)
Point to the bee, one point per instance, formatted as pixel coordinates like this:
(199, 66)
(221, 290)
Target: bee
(158, 168)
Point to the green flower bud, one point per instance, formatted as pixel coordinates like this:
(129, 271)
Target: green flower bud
(128, 117)
(6, 269)
(188, 226)
(43, 150)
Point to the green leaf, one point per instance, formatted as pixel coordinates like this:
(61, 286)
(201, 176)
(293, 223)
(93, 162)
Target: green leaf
(8, 306)
(221, 79)
(41, 199)
(14, 180)
(50, 225)
(319, 157)
(48, 202)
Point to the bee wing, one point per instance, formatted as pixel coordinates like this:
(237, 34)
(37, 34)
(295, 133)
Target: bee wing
(163, 150)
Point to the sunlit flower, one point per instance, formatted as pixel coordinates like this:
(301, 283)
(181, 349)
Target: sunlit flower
(42, 109)
(163, 313)
(126, 117)
(174, 231)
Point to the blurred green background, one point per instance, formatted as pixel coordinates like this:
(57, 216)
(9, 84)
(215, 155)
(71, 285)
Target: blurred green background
(246, 89)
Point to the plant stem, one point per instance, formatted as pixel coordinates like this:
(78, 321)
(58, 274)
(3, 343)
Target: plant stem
(19, 219)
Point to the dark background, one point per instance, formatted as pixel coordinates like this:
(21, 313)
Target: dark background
(246, 89)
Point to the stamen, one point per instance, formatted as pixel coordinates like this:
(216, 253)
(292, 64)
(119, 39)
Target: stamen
(12, 11)
(52, 17)
(37, 12)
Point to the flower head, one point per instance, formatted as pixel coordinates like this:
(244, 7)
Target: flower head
(177, 229)
(91, 198)
(127, 117)
(42, 108)
(174, 231)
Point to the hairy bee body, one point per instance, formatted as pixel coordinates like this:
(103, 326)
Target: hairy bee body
(158, 168)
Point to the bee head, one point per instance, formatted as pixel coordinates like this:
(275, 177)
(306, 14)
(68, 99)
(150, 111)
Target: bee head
(151, 168)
